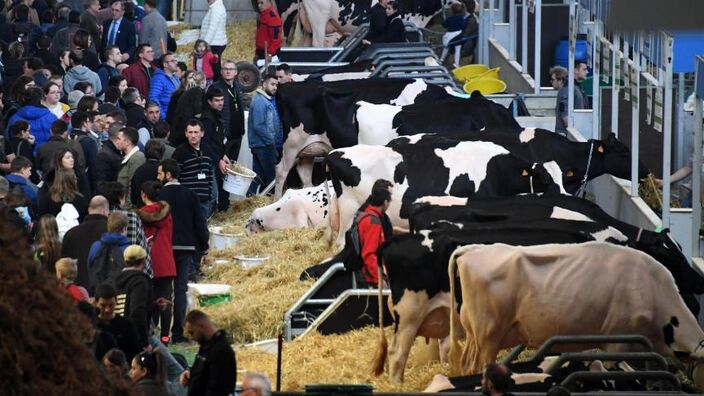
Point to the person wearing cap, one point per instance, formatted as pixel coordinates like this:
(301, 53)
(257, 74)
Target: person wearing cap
(134, 287)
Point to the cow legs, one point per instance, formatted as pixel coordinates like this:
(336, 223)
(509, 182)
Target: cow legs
(408, 314)
(305, 171)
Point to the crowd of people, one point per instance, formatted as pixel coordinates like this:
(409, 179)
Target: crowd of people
(113, 158)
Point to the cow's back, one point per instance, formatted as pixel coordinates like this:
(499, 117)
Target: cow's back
(591, 288)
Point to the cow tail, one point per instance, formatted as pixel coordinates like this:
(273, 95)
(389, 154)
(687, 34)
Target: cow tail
(382, 348)
(333, 208)
(454, 355)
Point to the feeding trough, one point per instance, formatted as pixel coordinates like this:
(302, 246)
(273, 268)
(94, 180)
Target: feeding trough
(251, 262)
(220, 240)
(237, 181)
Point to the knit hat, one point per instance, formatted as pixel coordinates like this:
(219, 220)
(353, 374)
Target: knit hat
(134, 253)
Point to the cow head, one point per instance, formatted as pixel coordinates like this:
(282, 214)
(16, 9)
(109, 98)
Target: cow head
(254, 225)
(542, 179)
(616, 158)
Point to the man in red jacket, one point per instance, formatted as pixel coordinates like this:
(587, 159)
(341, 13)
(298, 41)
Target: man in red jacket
(374, 227)
(269, 32)
(139, 74)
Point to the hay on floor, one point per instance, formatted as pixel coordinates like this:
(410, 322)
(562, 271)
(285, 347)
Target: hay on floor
(340, 359)
(235, 218)
(240, 42)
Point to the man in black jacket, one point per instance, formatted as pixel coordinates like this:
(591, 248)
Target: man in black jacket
(190, 237)
(135, 293)
(121, 328)
(78, 240)
(213, 140)
(377, 22)
(109, 158)
(214, 369)
(153, 151)
(233, 110)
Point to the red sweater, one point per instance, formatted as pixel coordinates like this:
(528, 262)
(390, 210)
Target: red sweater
(269, 31)
(209, 59)
(371, 236)
(156, 219)
(137, 76)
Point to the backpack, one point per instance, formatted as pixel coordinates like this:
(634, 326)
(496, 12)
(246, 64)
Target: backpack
(353, 259)
(108, 262)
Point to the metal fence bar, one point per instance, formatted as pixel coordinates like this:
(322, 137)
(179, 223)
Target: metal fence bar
(594, 339)
(569, 382)
(623, 356)
(667, 132)
(538, 38)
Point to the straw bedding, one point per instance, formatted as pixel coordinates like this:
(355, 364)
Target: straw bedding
(240, 41)
(261, 295)
(234, 220)
(342, 359)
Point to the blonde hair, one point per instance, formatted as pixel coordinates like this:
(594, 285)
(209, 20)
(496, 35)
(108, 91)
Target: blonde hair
(117, 221)
(67, 268)
(48, 241)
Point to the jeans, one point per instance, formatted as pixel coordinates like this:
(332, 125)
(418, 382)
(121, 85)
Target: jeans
(184, 262)
(208, 207)
(164, 287)
(264, 164)
(223, 196)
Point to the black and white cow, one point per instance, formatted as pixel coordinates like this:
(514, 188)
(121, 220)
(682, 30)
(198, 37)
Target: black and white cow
(578, 161)
(351, 13)
(380, 123)
(303, 208)
(417, 266)
(309, 121)
(461, 169)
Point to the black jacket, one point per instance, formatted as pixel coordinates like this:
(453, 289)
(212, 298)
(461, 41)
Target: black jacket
(146, 172)
(124, 332)
(377, 23)
(190, 105)
(107, 163)
(135, 114)
(77, 241)
(214, 369)
(136, 286)
(190, 227)
(214, 137)
(233, 111)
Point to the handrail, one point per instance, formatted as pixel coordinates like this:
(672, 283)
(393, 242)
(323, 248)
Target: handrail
(569, 382)
(306, 297)
(609, 356)
(593, 339)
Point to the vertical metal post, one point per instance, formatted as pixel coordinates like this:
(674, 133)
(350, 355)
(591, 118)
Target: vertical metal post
(490, 30)
(680, 135)
(524, 37)
(596, 91)
(512, 30)
(635, 123)
(482, 34)
(667, 132)
(614, 84)
(697, 174)
(538, 39)
(570, 65)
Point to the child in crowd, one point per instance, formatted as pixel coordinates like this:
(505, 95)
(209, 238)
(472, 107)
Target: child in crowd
(204, 60)
(66, 272)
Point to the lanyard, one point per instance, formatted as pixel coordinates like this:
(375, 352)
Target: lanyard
(234, 97)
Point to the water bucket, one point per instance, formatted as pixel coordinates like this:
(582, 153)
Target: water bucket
(237, 182)
(466, 72)
(251, 262)
(220, 240)
(487, 86)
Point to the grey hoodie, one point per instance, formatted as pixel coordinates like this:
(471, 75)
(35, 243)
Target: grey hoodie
(82, 73)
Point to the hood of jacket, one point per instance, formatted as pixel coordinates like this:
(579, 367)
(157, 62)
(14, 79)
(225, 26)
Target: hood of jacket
(32, 113)
(79, 72)
(127, 278)
(154, 213)
(112, 238)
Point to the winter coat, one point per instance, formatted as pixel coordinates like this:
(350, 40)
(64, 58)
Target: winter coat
(106, 71)
(78, 240)
(190, 231)
(130, 163)
(28, 188)
(135, 114)
(209, 59)
(190, 105)
(154, 32)
(108, 238)
(213, 27)
(136, 286)
(233, 110)
(81, 182)
(269, 31)
(46, 205)
(82, 73)
(158, 224)
(45, 154)
(263, 121)
(149, 387)
(160, 89)
(146, 172)
(137, 76)
(39, 118)
(107, 163)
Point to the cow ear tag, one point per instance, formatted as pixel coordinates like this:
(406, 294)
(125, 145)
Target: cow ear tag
(570, 173)
(600, 149)
(525, 173)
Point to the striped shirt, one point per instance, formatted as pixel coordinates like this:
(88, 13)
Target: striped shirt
(196, 171)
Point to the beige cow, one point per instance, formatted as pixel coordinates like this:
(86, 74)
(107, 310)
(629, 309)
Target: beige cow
(525, 295)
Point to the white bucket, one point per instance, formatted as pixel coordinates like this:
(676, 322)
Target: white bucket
(251, 262)
(237, 183)
(219, 240)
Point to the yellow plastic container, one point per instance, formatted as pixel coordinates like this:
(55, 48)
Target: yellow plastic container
(486, 86)
(464, 73)
(491, 73)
